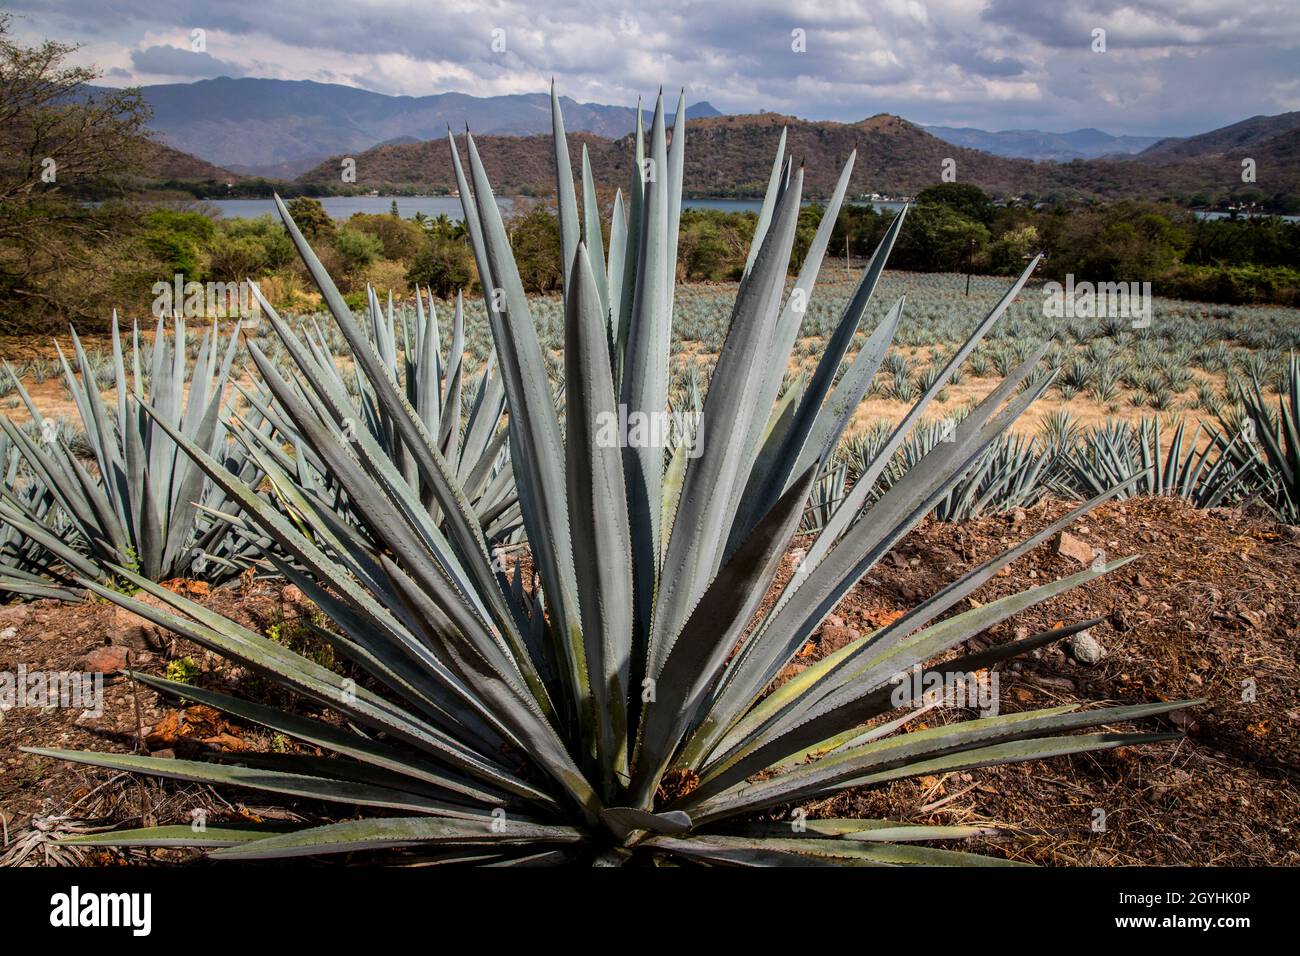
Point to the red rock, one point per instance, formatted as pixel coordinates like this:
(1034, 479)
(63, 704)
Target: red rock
(128, 629)
(105, 660)
(833, 638)
(1072, 547)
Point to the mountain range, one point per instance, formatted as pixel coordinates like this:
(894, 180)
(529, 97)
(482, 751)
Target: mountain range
(731, 155)
(279, 128)
(300, 130)
(1258, 131)
(1039, 145)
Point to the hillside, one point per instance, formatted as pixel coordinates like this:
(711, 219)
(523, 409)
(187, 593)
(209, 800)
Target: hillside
(727, 155)
(163, 163)
(259, 124)
(1249, 133)
(731, 155)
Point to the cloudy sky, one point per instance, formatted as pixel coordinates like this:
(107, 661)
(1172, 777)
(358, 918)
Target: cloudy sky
(1169, 68)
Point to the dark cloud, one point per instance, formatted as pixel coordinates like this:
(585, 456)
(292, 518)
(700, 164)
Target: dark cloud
(174, 61)
(981, 65)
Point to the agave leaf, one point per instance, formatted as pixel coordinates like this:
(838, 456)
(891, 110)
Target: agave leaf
(380, 833)
(768, 209)
(326, 735)
(566, 200)
(695, 659)
(853, 504)
(591, 237)
(632, 819)
(676, 177)
(618, 239)
(315, 682)
(826, 710)
(537, 451)
(811, 594)
(869, 831)
(645, 371)
(296, 785)
(211, 835)
(781, 791)
(790, 459)
(706, 507)
(599, 515)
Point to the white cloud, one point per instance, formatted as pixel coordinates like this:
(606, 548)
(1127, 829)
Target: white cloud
(1171, 66)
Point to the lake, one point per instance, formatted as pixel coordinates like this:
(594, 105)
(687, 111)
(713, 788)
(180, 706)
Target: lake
(343, 207)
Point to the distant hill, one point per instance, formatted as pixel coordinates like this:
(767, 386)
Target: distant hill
(726, 155)
(286, 170)
(260, 124)
(1252, 132)
(1039, 145)
(163, 163)
(732, 155)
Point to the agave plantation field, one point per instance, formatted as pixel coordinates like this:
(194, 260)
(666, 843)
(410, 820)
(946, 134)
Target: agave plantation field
(402, 584)
(1178, 384)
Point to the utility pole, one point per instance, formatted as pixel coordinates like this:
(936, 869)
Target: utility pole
(970, 262)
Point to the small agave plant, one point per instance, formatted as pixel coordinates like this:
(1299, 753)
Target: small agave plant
(435, 387)
(141, 503)
(619, 711)
(1218, 474)
(27, 569)
(1270, 442)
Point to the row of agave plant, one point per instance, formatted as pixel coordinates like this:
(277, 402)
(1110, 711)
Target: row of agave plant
(618, 708)
(1249, 460)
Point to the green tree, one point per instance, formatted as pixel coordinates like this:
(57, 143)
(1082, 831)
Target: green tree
(358, 249)
(60, 144)
(965, 199)
(400, 238)
(535, 239)
(442, 265)
(1009, 251)
(177, 239)
(274, 250)
(312, 219)
(936, 238)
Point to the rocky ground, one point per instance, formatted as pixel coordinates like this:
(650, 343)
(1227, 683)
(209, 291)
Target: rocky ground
(1208, 610)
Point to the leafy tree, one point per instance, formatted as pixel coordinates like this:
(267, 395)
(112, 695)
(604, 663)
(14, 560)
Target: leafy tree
(358, 249)
(965, 199)
(60, 144)
(704, 253)
(443, 266)
(714, 244)
(312, 219)
(1008, 252)
(535, 239)
(860, 227)
(248, 249)
(400, 238)
(937, 239)
(176, 238)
